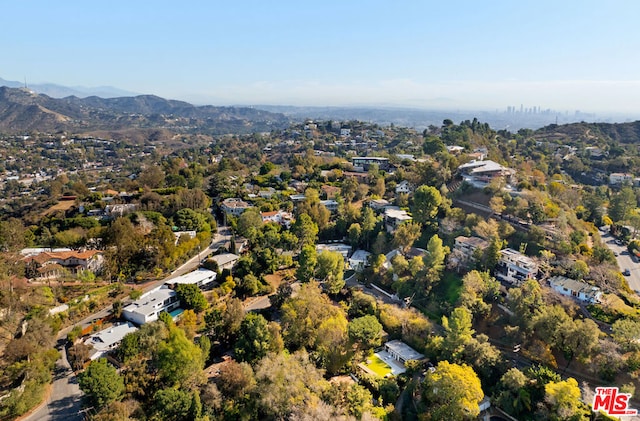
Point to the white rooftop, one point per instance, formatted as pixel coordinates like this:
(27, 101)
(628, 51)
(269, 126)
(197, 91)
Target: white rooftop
(403, 350)
(148, 302)
(397, 214)
(192, 277)
(106, 338)
(475, 167)
(225, 258)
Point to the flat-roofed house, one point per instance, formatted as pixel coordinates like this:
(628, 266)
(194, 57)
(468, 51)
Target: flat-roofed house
(515, 267)
(467, 246)
(365, 162)
(394, 217)
(108, 339)
(147, 308)
(201, 278)
(401, 351)
(483, 172)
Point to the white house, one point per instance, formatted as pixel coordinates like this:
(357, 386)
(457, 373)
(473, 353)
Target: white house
(401, 351)
(467, 246)
(455, 149)
(234, 206)
(359, 260)
(394, 217)
(514, 267)
(200, 277)
(576, 289)
(378, 205)
(343, 249)
(225, 260)
(149, 305)
(480, 173)
(108, 339)
(119, 209)
(191, 234)
(279, 217)
(618, 178)
(330, 204)
(404, 187)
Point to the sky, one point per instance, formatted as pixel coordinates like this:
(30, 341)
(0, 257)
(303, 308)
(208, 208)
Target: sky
(454, 54)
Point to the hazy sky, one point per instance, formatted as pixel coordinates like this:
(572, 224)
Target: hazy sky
(560, 54)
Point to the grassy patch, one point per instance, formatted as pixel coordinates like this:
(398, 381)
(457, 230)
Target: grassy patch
(448, 289)
(611, 309)
(377, 366)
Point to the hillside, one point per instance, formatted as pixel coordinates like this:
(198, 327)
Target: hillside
(625, 133)
(22, 110)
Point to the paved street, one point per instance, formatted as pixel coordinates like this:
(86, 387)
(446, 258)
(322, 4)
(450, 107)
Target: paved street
(625, 261)
(64, 402)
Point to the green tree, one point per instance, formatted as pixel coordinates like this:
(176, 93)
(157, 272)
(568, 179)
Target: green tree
(249, 223)
(452, 392)
(426, 202)
(458, 331)
(223, 322)
(303, 314)
(433, 262)
(330, 270)
(354, 233)
(254, 339)
(366, 331)
(173, 405)
(101, 383)
(307, 262)
(180, 361)
(406, 234)
(305, 229)
(191, 297)
(331, 344)
(621, 204)
(625, 333)
(514, 396)
(188, 219)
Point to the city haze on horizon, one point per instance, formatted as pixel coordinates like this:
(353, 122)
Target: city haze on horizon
(564, 56)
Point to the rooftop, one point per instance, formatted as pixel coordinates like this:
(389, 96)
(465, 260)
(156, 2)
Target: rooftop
(472, 241)
(193, 277)
(225, 258)
(403, 350)
(573, 285)
(148, 302)
(234, 202)
(106, 338)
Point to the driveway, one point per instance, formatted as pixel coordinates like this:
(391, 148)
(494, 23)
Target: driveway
(625, 261)
(64, 401)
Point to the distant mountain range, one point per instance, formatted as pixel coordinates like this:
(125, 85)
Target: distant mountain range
(59, 91)
(23, 110)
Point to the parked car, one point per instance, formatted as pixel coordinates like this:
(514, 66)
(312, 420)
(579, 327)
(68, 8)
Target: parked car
(626, 272)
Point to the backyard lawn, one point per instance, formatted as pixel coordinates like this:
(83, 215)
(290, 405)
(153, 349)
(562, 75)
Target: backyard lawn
(377, 366)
